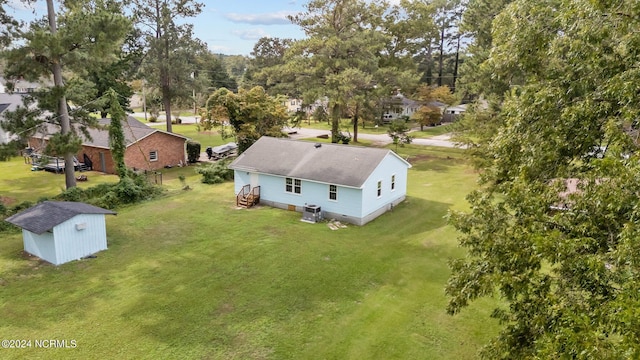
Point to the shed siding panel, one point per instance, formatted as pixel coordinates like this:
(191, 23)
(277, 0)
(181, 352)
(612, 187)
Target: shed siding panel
(391, 165)
(349, 203)
(74, 244)
(41, 245)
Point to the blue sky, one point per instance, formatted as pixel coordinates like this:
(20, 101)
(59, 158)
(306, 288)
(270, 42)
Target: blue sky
(228, 27)
(233, 27)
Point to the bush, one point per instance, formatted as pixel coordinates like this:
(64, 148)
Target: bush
(130, 189)
(72, 194)
(193, 151)
(216, 173)
(152, 119)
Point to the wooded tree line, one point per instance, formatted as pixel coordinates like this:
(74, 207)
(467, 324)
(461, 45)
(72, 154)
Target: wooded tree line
(357, 53)
(557, 79)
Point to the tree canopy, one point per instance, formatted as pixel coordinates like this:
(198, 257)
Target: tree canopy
(84, 37)
(170, 47)
(251, 113)
(567, 278)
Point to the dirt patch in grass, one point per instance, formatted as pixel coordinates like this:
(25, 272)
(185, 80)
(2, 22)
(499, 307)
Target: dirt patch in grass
(8, 201)
(425, 157)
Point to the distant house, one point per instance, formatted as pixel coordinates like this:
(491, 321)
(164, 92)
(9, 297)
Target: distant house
(18, 86)
(59, 232)
(399, 106)
(452, 113)
(294, 105)
(147, 148)
(8, 102)
(349, 183)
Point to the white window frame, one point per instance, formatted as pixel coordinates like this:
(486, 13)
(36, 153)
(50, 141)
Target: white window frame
(379, 188)
(153, 155)
(393, 182)
(293, 186)
(297, 186)
(333, 190)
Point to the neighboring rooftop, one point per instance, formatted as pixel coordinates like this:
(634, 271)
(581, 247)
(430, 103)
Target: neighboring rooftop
(133, 129)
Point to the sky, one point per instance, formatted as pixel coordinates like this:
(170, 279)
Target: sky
(229, 27)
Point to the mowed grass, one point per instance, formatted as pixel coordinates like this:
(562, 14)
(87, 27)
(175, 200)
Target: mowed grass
(190, 276)
(18, 183)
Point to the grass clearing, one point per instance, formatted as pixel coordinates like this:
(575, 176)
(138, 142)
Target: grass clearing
(190, 276)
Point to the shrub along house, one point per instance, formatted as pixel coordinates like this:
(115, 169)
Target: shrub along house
(147, 148)
(349, 183)
(59, 232)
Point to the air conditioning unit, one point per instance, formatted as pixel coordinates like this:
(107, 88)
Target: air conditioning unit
(311, 213)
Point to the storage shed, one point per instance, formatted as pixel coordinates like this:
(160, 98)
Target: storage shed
(60, 231)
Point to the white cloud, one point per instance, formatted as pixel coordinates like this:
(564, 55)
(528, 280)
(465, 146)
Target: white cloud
(19, 5)
(275, 18)
(250, 34)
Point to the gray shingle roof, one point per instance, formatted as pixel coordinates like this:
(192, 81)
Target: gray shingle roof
(328, 163)
(46, 215)
(10, 101)
(133, 129)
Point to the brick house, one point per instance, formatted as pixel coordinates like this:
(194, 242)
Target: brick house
(147, 148)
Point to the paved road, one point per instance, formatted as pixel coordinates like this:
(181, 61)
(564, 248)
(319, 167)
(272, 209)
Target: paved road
(377, 139)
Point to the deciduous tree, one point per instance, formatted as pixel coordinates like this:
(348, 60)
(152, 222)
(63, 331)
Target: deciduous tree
(567, 280)
(252, 113)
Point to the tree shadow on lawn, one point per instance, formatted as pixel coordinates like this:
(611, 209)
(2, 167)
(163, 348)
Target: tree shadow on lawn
(425, 162)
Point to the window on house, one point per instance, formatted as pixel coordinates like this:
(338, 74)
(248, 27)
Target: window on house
(153, 155)
(297, 186)
(293, 185)
(393, 182)
(379, 188)
(333, 192)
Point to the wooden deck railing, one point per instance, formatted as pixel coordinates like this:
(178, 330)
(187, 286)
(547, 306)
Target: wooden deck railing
(242, 194)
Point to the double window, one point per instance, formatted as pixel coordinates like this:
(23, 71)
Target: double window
(293, 186)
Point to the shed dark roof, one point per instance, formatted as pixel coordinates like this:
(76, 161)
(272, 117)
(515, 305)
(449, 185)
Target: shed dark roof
(133, 130)
(328, 163)
(48, 214)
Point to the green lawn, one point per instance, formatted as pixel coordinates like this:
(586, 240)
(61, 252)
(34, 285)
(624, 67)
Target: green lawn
(190, 276)
(18, 183)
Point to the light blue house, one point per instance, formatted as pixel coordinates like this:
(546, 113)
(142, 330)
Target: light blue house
(59, 231)
(349, 183)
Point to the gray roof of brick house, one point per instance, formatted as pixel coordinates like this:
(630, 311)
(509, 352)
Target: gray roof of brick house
(133, 129)
(48, 214)
(10, 102)
(328, 163)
